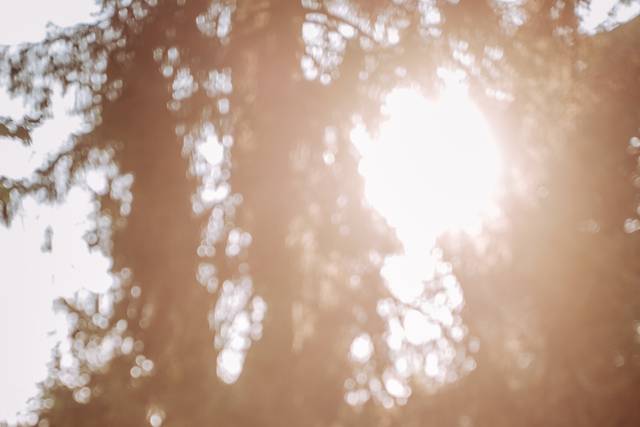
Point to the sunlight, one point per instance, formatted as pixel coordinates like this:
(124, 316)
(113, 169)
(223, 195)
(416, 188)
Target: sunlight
(433, 166)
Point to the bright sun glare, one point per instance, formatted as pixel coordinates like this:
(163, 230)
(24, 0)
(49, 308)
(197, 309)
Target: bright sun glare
(433, 165)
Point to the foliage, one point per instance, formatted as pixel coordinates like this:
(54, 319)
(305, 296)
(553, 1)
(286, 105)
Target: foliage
(288, 253)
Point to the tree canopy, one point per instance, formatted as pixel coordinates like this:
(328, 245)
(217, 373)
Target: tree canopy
(246, 261)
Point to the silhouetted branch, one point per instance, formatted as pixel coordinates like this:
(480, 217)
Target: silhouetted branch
(19, 130)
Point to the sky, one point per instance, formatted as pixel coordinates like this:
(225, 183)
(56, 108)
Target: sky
(30, 279)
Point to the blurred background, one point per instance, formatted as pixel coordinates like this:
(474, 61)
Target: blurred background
(408, 212)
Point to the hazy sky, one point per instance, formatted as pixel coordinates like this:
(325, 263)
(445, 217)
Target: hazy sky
(31, 279)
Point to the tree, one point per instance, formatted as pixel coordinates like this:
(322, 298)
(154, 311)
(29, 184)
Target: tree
(284, 246)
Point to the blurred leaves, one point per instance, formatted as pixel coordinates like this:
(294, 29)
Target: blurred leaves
(225, 127)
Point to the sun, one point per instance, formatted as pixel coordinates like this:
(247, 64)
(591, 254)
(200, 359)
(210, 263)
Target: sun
(432, 166)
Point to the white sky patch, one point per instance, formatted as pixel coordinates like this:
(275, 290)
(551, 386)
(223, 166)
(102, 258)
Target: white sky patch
(608, 13)
(26, 20)
(31, 279)
(18, 162)
(419, 329)
(212, 150)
